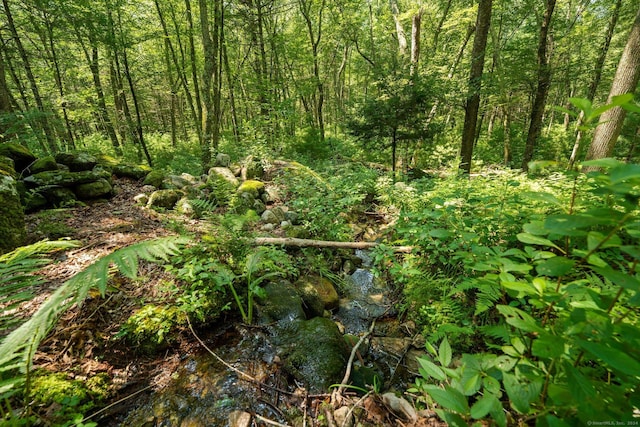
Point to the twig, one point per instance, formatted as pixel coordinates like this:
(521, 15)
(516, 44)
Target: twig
(117, 402)
(270, 422)
(338, 393)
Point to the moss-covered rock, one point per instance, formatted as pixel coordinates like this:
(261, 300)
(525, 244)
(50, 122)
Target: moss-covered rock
(131, 171)
(94, 190)
(154, 178)
(251, 187)
(58, 196)
(314, 352)
(166, 199)
(77, 162)
(323, 288)
(20, 155)
(12, 225)
(7, 167)
(66, 178)
(44, 164)
(280, 302)
(252, 168)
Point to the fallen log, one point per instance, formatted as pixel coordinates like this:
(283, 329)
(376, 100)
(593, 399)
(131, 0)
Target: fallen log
(309, 243)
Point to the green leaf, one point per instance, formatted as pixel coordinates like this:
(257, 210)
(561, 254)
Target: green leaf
(582, 104)
(548, 346)
(440, 233)
(624, 172)
(536, 228)
(431, 369)
(618, 278)
(542, 196)
(521, 393)
(484, 405)
(603, 163)
(594, 238)
(448, 398)
(530, 239)
(492, 386)
(519, 319)
(555, 267)
(616, 359)
(444, 352)
(452, 419)
(523, 288)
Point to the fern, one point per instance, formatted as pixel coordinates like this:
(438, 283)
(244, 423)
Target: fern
(18, 348)
(203, 206)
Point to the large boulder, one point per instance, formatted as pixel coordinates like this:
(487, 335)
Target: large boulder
(131, 171)
(77, 162)
(12, 225)
(21, 156)
(318, 294)
(280, 302)
(44, 164)
(154, 178)
(252, 169)
(66, 178)
(94, 190)
(166, 199)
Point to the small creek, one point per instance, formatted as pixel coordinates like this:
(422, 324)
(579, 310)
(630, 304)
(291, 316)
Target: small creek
(201, 391)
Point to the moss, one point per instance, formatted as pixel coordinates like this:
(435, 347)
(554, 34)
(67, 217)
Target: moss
(253, 187)
(154, 178)
(12, 225)
(66, 179)
(44, 164)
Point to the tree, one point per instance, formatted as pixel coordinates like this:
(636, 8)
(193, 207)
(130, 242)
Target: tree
(625, 81)
(544, 81)
(483, 22)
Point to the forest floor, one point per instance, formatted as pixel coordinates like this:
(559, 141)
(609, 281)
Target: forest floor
(82, 344)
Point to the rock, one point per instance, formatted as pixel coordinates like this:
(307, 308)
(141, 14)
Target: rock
(285, 224)
(177, 182)
(292, 217)
(324, 289)
(93, 190)
(58, 196)
(184, 207)
(314, 353)
(400, 407)
(271, 194)
(131, 171)
(239, 419)
(252, 187)
(164, 198)
(33, 201)
(7, 167)
(21, 156)
(268, 227)
(44, 164)
(225, 174)
(343, 416)
(280, 302)
(251, 169)
(312, 303)
(258, 206)
(269, 217)
(141, 199)
(223, 160)
(154, 178)
(66, 179)
(12, 226)
(77, 162)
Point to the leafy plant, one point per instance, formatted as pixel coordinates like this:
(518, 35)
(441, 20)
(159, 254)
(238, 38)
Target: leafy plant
(567, 352)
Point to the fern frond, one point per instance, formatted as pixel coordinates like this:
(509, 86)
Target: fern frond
(18, 348)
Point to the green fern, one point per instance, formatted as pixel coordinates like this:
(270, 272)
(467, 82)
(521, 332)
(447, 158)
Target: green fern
(18, 348)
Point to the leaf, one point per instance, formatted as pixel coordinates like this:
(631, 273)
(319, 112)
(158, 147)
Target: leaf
(616, 359)
(519, 319)
(448, 398)
(624, 172)
(492, 385)
(618, 278)
(452, 419)
(530, 239)
(521, 393)
(444, 352)
(440, 233)
(431, 369)
(536, 228)
(542, 196)
(548, 346)
(603, 163)
(523, 288)
(484, 405)
(582, 104)
(595, 238)
(555, 267)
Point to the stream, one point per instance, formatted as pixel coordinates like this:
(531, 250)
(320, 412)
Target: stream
(289, 356)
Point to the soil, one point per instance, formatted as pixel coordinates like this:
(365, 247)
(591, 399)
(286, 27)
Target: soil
(83, 343)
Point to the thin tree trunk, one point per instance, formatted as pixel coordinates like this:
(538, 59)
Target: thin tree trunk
(415, 40)
(506, 130)
(544, 81)
(402, 38)
(597, 76)
(44, 123)
(102, 106)
(6, 108)
(194, 72)
(438, 30)
(483, 23)
(625, 81)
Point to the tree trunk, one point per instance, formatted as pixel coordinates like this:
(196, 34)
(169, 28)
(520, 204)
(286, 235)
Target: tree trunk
(44, 123)
(483, 22)
(625, 81)
(194, 72)
(307, 243)
(6, 108)
(438, 30)
(402, 38)
(415, 40)
(544, 81)
(102, 106)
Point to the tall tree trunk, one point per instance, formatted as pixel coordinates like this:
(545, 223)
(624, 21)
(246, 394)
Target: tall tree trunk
(415, 40)
(6, 109)
(44, 123)
(544, 81)
(102, 105)
(194, 71)
(597, 75)
(483, 22)
(402, 38)
(625, 81)
(211, 76)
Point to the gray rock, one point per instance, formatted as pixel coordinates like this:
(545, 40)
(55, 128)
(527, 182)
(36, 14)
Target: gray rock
(93, 190)
(44, 164)
(185, 207)
(131, 171)
(269, 217)
(176, 182)
(58, 196)
(268, 227)
(252, 169)
(223, 160)
(65, 178)
(20, 155)
(77, 162)
(292, 217)
(258, 207)
(226, 174)
(280, 303)
(164, 198)
(154, 178)
(12, 225)
(322, 288)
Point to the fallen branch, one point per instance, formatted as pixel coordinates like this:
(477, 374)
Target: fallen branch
(308, 243)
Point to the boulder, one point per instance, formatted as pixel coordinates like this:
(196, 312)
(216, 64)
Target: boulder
(185, 207)
(251, 187)
(223, 160)
(21, 156)
(93, 190)
(7, 167)
(164, 198)
(224, 173)
(58, 196)
(154, 178)
(65, 178)
(320, 288)
(130, 171)
(279, 303)
(252, 169)
(178, 182)
(313, 352)
(141, 199)
(77, 162)
(269, 217)
(12, 225)
(44, 164)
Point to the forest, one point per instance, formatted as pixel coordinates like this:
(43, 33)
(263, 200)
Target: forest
(303, 212)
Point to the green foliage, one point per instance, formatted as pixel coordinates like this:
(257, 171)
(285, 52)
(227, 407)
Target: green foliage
(17, 348)
(150, 326)
(50, 224)
(566, 350)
